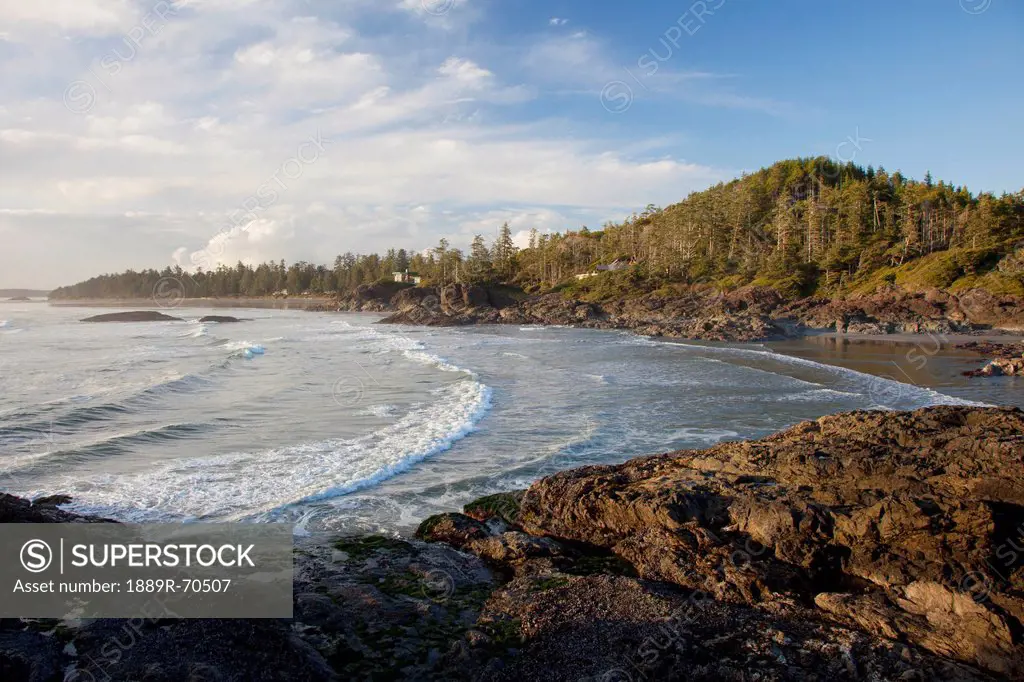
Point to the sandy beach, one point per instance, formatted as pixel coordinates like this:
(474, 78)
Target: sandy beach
(929, 360)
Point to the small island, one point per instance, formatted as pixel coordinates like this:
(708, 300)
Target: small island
(132, 316)
(220, 318)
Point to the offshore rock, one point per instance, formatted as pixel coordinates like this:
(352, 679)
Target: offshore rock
(132, 316)
(223, 319)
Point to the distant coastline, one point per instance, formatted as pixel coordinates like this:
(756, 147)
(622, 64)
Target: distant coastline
(23, 293)
(294, 303)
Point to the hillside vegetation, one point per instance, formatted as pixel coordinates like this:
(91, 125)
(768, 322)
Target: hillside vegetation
(811, 226)
(802, 226)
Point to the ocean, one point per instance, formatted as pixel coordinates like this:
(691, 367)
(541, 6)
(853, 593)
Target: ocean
(338, 424)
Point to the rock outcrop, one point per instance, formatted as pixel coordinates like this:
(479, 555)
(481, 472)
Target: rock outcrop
(982, 307)
(906, 527)
(1007, 358)
(369, 298)
(132, 316)
(889, 310)
(742, 315)
(43, 510)
(894, 310)
(222, 319)
(364, 608)
(749, 313)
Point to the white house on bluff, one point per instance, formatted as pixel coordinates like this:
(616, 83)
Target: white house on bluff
(611, 267)
(406, 277)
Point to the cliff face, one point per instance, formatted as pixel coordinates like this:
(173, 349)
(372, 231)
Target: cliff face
(861, 546)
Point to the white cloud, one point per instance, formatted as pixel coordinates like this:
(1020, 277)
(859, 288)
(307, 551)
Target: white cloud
(556, 21)
(465, 71)
(89, 16)
(163, 157)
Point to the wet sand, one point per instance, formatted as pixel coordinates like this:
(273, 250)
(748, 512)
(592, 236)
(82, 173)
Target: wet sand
(929, 360)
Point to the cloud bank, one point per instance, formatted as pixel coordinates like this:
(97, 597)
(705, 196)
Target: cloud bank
(143, 134)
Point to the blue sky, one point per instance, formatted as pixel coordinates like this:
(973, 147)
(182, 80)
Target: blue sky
(930, 84)
(142, 133)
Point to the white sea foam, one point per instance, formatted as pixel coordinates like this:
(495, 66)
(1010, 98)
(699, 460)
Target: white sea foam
(256, 485)
(200, 331)
(234, 346)
(631, 339)
(703, 436)
(819, 394)
(381, 410)
(244, 349)
(411, 349)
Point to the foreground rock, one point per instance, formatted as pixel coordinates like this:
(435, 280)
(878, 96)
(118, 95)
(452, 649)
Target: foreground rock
(365, 608)
(43, 510)
(132, 316)
(883, 538)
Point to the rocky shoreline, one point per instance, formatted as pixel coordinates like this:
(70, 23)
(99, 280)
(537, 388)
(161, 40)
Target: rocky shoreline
(860, 546)
(746, 314)
(1007, 359)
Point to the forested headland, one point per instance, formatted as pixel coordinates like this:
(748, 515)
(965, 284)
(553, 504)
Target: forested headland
(807, 226)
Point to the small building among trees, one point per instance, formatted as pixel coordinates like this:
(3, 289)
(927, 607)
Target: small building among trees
(407, 277)
(614, 266)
